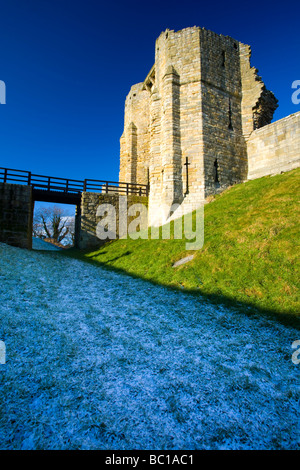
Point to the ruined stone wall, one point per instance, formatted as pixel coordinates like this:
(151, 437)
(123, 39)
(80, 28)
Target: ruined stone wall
(258, 103)
(225, 154)
(134, 143)
(201, 100)
(89, 218)
(274, 148)
(16, 212)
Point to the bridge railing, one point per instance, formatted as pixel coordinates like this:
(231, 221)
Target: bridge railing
(70, 186)
(8, 175)
(51, 183)
(115, 187)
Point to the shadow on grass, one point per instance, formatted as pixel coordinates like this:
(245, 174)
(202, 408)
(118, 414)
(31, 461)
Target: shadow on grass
(284, 318)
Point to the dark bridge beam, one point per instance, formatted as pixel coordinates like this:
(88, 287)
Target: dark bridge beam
(58, 197)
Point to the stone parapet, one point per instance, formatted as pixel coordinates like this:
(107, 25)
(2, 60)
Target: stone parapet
(274, 148)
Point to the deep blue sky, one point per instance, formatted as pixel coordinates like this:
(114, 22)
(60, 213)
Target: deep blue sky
(68, 66)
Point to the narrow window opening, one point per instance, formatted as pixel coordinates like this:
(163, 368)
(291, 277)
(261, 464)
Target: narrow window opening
(223, 58)
(230, 127)
(149, 85)
(216, 172)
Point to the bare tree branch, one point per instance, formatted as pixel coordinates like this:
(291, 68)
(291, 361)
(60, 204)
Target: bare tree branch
(53, 223)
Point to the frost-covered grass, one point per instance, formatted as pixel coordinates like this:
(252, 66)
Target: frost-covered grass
(39, 244)
(99, 360)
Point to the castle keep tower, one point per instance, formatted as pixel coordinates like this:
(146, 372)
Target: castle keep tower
(186, 126)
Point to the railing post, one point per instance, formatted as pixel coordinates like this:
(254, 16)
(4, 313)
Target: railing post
(29, 178)
(49, 183)
(5, 175)
(140, 191)
(67, 186)
(127, 188)
(106, 187)
(84, 186)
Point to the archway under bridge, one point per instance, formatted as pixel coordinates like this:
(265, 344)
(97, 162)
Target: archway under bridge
(19, 190)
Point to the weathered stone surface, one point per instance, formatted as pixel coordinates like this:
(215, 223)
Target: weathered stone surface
(135, 139)
(274, 148)
(258, 104)
(90, 202)
(201, 100)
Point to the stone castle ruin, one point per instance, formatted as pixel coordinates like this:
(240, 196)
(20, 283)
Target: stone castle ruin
(200, 122)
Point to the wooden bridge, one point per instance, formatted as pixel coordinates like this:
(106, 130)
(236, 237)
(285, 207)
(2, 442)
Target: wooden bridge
(67, 191)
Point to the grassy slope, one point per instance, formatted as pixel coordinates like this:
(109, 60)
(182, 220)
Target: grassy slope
(250, 252)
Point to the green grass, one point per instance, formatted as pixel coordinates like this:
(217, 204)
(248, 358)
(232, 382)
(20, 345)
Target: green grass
(250, 255)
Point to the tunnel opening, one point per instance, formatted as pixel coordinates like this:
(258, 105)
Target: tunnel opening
(55, 225)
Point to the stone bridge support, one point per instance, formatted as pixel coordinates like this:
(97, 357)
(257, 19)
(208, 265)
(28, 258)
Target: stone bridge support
(16, 213)
(122, 208)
